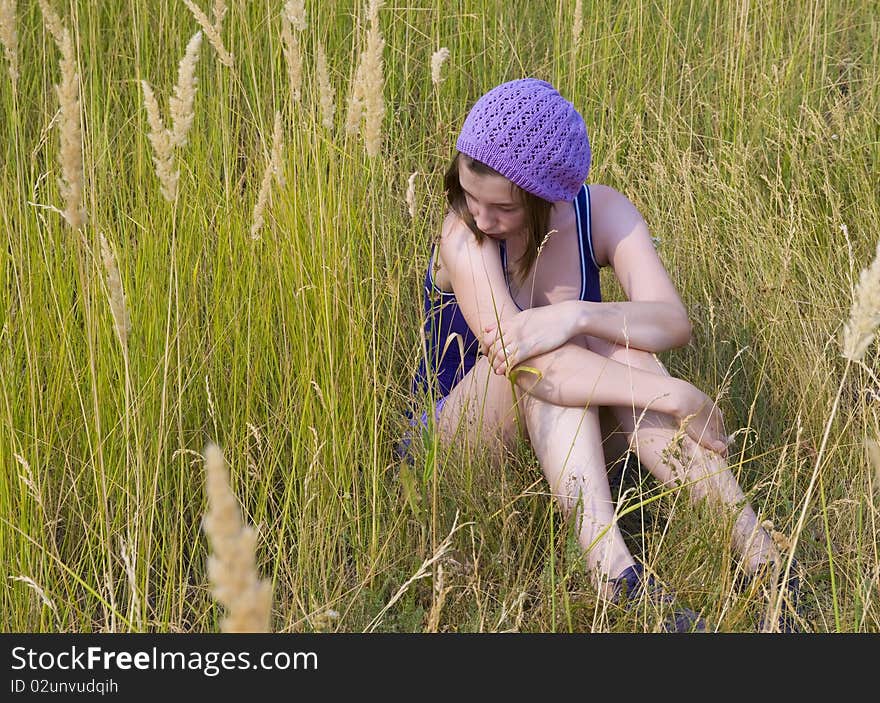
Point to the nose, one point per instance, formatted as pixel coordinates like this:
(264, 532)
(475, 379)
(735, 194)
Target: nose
(484, 220)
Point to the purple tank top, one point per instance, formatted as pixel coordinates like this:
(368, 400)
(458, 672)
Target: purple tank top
(451, 348)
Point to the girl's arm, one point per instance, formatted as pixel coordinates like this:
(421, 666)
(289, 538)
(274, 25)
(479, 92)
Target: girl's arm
(652, 326)
(570, 375)
(653, 318)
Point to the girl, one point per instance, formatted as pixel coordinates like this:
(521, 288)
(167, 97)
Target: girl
(514, 280)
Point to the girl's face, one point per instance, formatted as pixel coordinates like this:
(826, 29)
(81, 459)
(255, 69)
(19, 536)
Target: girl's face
(492, 202)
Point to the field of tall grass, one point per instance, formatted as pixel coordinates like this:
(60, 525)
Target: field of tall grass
(216, 232)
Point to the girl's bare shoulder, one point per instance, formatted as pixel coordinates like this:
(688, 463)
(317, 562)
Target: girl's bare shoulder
(453, 226)
(611, 215)
(454, 237)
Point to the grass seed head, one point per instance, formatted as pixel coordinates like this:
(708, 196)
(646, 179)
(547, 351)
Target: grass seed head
(327, 94)
(9, 37)
(232, 566)
(864, 318)
(181, 105)
(273, 168)
(293, 57)
(437, 60)
(212, 29)
(121, 319)
(163, 146)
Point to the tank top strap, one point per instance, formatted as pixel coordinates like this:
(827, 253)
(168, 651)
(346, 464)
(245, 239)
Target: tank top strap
(589, 266)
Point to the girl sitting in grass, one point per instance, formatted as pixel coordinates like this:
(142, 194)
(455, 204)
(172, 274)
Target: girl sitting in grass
(514, 282)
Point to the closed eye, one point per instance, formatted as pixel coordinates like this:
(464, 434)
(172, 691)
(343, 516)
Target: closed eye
(503, 208)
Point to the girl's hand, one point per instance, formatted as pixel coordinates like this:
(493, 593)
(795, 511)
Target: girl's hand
(529, 333)
(702, 420)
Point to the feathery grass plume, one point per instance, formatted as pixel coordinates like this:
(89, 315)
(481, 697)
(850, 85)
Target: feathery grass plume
(577, 27)
(9, 37)
(873, 447)
(292, 50)
(52, 21)
(219, 12)
(355, 102)
(295, 11)
(181, 104)
(864, 318)
(411, 194)
(121, 319)
(374, 83)
(326, 88)
(437, 60)
(232, 566)
(272, 168)
(163, 146)
(70, 154)
(212, 29)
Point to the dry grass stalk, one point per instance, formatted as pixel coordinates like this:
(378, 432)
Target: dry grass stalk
(437, 60)
(423, 571)
(181, 105)
(70, 153)
(440, 591)
(163, 146)
(9, 37)
(211, 410)
(577, 27)
(274, 167)
(128, 564)
(212, 29)
(121, 320)
(864, 318)
(292, 56)
(39, 591)
(232, 565)
(326, 88)
(27, 478)
(411, 194)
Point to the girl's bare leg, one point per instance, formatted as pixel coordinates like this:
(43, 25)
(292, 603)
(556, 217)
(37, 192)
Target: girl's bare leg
(652, 437)
(482, 410)
(568, 444)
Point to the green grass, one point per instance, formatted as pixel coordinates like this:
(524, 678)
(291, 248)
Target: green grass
(745, 137)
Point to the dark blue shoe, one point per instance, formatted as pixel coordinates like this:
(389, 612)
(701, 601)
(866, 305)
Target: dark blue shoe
(632, 584)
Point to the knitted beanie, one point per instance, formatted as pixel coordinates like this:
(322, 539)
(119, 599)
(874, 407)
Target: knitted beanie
(530, 134)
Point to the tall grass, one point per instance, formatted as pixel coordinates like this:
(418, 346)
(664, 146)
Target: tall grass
(745, 133)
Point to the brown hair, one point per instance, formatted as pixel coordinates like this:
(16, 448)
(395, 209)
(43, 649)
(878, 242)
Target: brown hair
(537, 210)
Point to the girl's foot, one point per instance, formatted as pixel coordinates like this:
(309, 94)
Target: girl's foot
(790, 612)
(632, 584)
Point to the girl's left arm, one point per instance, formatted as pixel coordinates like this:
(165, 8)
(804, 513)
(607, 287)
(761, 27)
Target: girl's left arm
(653, 319)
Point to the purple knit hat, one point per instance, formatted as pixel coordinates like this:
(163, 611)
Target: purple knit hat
(531, 135)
